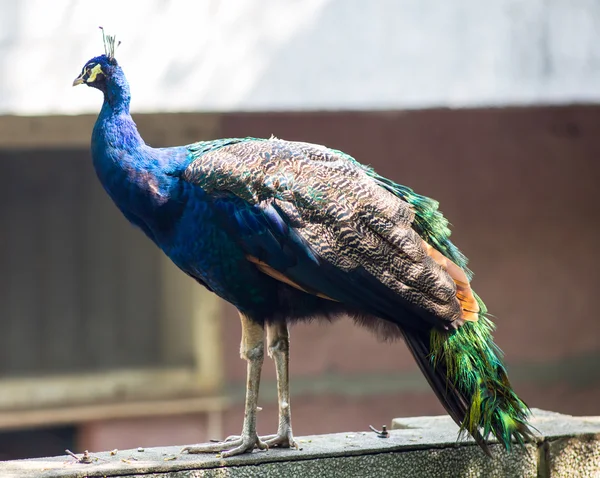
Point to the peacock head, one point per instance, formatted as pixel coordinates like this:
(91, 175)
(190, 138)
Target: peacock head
(99, 70)
(96, 71)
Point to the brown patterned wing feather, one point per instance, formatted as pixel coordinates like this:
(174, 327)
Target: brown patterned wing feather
(349, 221)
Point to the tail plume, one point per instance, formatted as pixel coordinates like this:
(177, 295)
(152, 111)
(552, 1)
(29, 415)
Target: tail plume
(464, 367)
(465, 370)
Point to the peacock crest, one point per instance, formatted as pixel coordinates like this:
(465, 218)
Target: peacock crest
(110, 44)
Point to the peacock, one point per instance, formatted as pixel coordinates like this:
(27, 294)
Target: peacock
(291, 231)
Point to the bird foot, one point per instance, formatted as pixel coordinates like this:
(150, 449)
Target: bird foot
(283, 439)
(231, 446)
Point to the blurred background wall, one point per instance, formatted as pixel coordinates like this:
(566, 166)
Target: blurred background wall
(489, 108)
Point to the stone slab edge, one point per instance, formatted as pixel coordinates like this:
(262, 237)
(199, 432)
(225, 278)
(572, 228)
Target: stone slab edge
(408, 434)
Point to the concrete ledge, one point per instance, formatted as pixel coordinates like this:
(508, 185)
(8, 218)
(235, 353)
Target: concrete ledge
(416, 447)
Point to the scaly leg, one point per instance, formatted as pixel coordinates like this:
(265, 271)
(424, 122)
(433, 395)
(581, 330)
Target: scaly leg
(278, 340)
(252, 350)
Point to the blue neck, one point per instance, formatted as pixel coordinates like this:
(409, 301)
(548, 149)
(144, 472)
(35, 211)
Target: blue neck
(115, 127)
(116, 92)
(137, 177)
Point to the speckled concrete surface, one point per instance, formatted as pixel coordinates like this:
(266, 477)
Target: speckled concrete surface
(421, 447)
(442, 463)
(573, 458)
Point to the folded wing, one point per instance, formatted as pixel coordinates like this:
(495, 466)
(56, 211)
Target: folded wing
(314, 219)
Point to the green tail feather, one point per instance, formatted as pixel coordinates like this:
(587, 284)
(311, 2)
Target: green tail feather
(473, 364)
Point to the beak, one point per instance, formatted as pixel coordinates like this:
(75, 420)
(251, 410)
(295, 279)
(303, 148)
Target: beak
(78, 81)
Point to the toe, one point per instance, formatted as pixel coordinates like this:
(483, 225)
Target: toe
(261, 445)
(211, 447)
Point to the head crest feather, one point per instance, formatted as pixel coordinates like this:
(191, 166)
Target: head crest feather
(109, 44)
